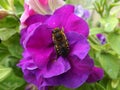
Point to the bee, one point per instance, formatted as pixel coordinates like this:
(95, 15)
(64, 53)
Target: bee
(60, 42)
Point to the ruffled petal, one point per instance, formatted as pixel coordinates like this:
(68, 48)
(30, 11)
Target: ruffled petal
(78, 44)
(57, 67)
(36, 18)
(42, 57)
(77, 24)
(38, 6)
(28, 12)
(29, 70)
(97, 74)
(23, 35)
(26, 31)
(66, 9)
(40, 37)
(26, 54)
(39, 44)
(79, 72)
(76, 76)
(60, 16)
(27, 63)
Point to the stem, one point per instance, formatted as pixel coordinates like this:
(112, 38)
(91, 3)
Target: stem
(51, 88)
(91, 38)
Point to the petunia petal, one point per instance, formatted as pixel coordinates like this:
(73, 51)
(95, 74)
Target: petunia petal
(23, 35)
(76, 76)
(42, 57)
(36, 18)
(79, 72)
(60, 16)
(39, 44)
(26, 31)
(97, 74)
(57, 67)
(40, 37)
(66, 9)
(29, 70)
(37, 6)
(77, 24)
(27, 12)
(79, 45)
(81, 12)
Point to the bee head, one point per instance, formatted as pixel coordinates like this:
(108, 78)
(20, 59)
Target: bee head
(56, 30)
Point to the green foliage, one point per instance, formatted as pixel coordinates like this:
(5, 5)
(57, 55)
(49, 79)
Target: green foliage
(18, 6)
(13, 45)
(9, 22)
(110, 64)
(62, 88)
(11, 77)
(114, 41)
(106, 56)
(4, 4)
(109, 23)
(11, 82)
(4, 72)
(96, 30)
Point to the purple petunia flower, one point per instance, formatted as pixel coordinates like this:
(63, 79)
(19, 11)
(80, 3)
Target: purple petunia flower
(102, 38)
(41, 65)
(81, 12)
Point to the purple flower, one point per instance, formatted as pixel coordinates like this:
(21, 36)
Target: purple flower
(81, 12)
(102, 38)
(41, 65)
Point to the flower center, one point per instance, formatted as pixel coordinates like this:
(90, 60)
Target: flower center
(60, 42)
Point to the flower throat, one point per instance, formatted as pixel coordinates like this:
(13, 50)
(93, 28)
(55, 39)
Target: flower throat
(60, 42)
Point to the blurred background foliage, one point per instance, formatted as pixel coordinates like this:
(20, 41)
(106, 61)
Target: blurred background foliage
(104, 19)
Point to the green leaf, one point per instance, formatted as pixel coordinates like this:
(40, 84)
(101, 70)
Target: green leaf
(4, 4)
(21, 2)
(11, 61)
(11, 83)
(109, 23)
(114, 41)
(104, 81)
(4, 72)
(9, 22)
(6, 33)
(23, 87)
(19, 6)
(3, 52)
(110, 64)
(99, 87)
(94, 31)
(62, 88)
(109, 86)
(115, 83)
(86, 87)
(95, 86)
(13, 45)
